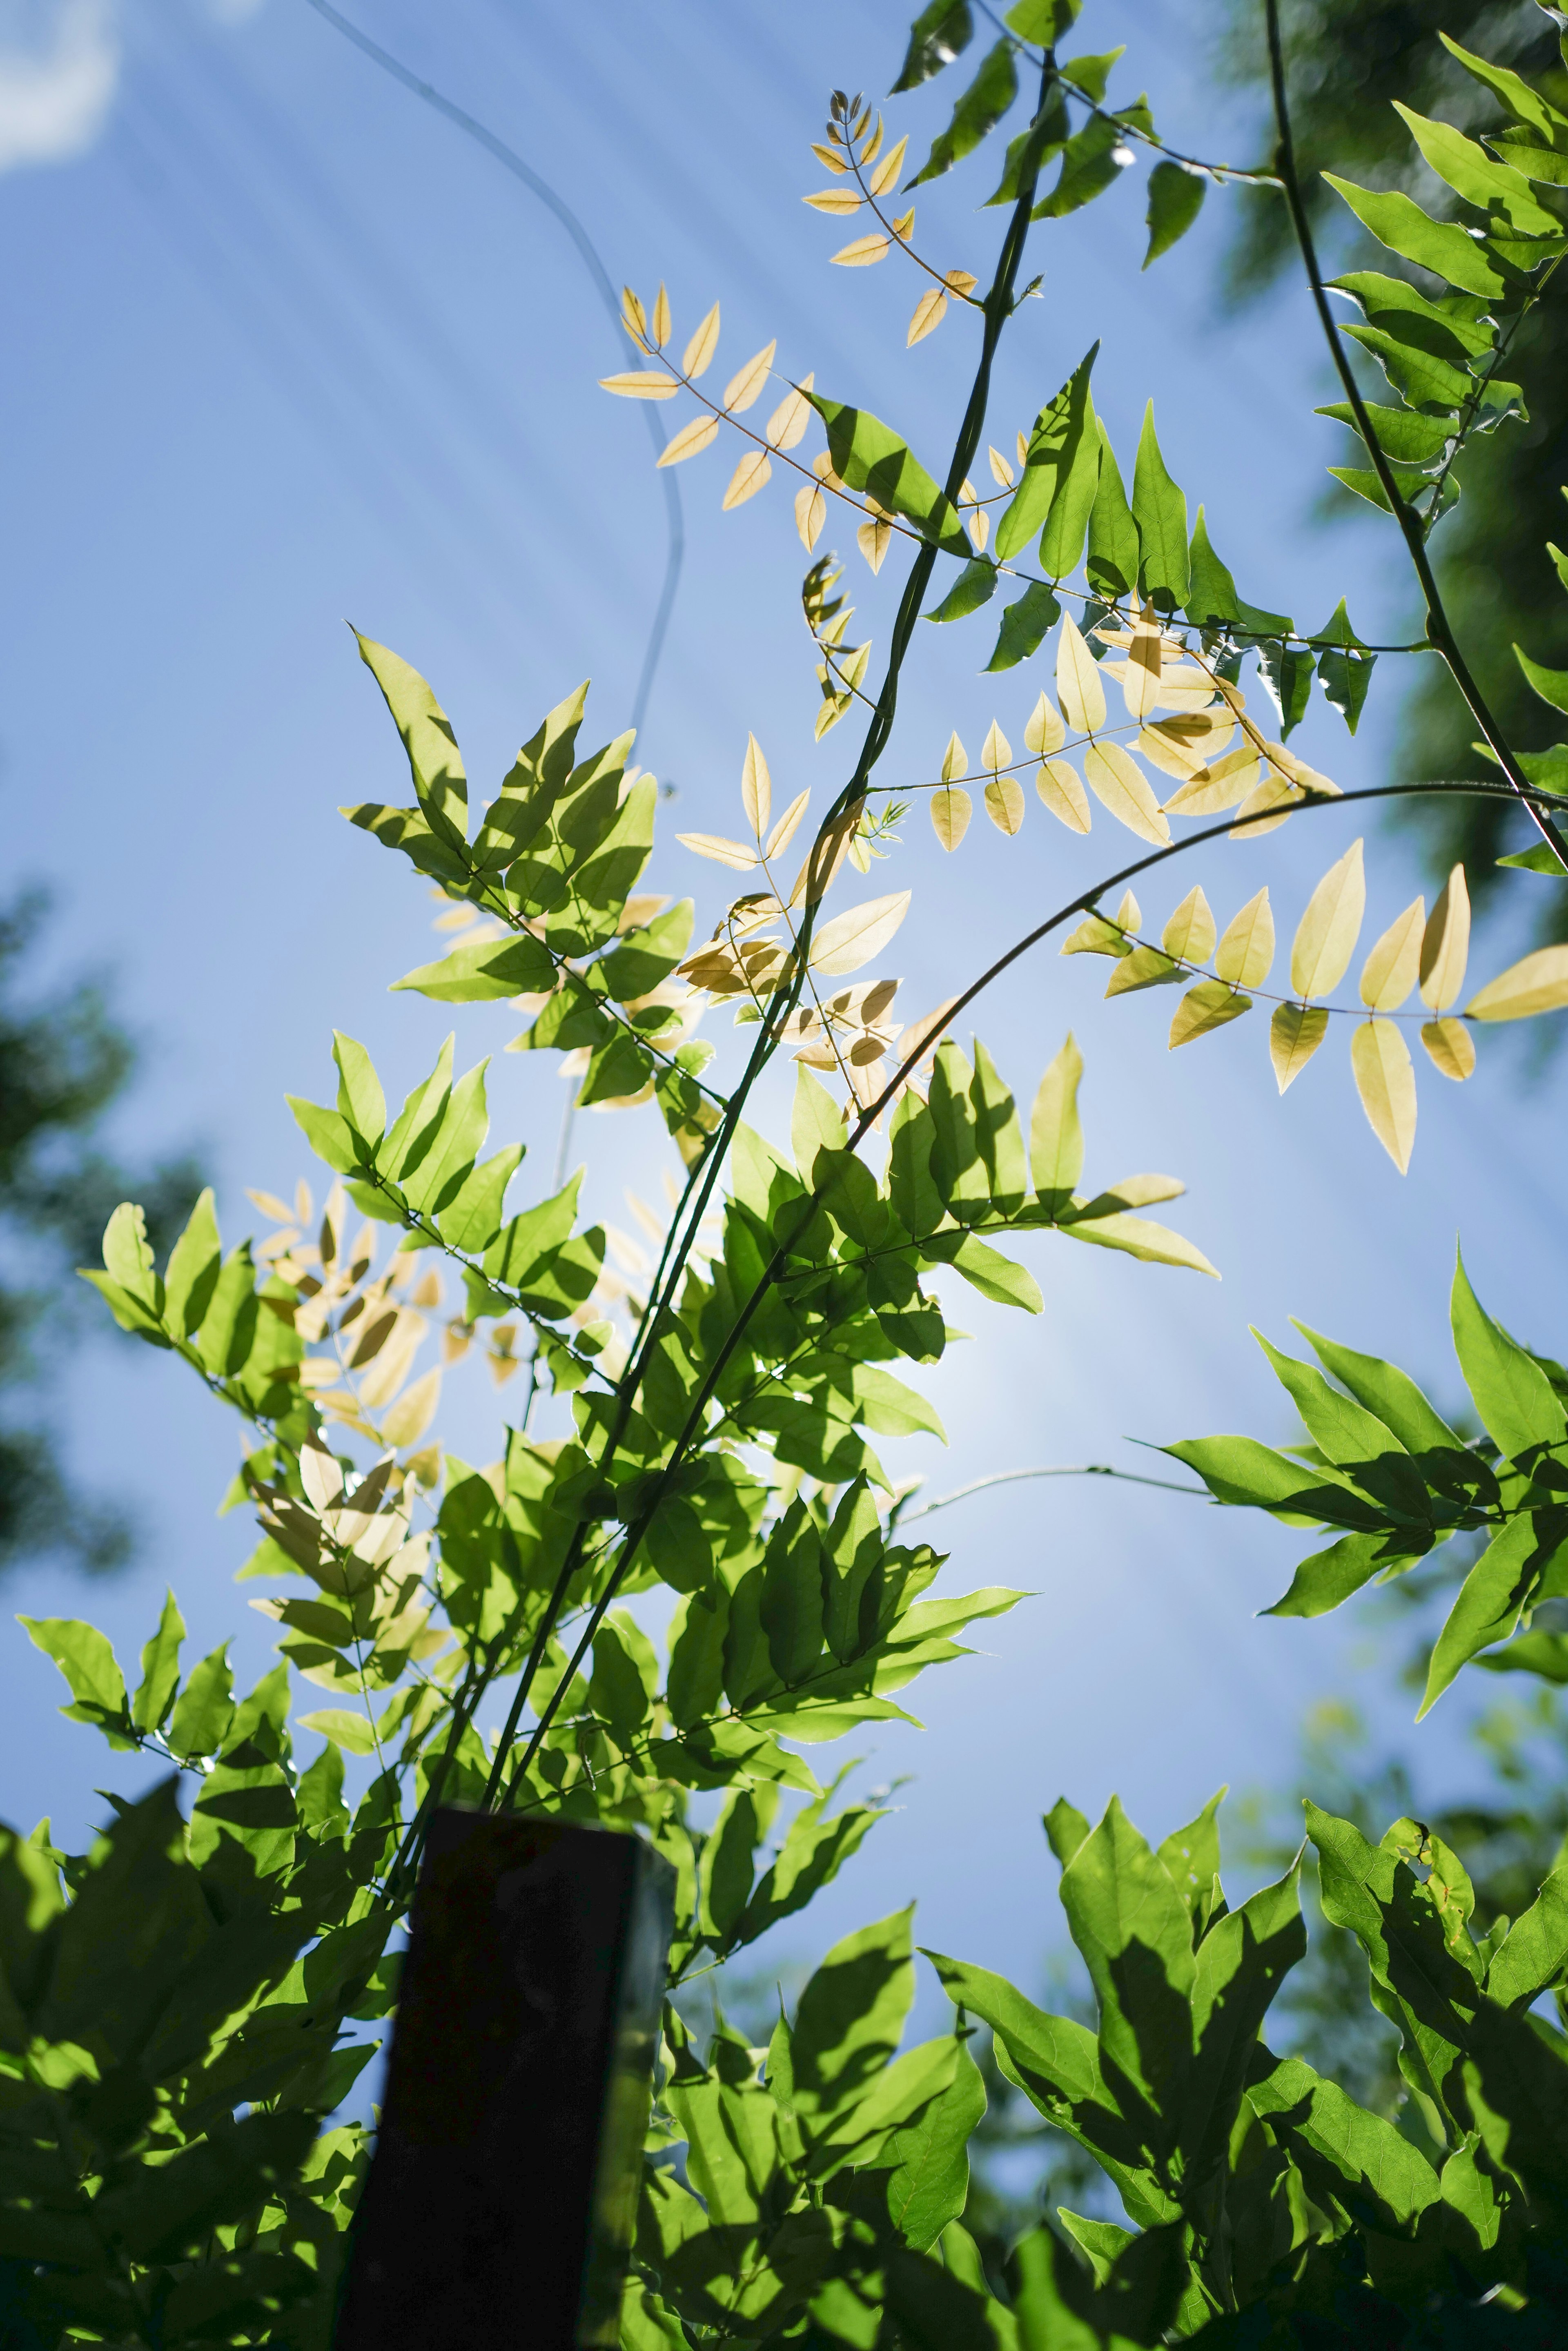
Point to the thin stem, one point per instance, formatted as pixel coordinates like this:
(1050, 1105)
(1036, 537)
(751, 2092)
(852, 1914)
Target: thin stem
(901, 1518)
(1438, 627)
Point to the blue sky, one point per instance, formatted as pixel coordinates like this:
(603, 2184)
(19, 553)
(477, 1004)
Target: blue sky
(286, 350)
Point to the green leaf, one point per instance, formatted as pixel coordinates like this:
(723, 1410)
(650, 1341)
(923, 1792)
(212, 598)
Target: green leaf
(1336, 2141)
(987, 1271)
(160, 1669)
(1545, 1654)
(206, 1707)
(128, 1258)
(473, 1215)
(1542, 859)
(975, 585)
(1066, 1828)
(1408, 439)
(1442, 246)
(1488, 1602)
(1175, 199)
(1551, 684)
(351, 1733)
(1512, 92)
(1111, 566)
(1043, 22)
(1160, 513)
(867, 455)
(1133, 1929)
(1190, 1858)
(1088, 167)
(644, 957)
(86, 1659)
(360, 1097)
(852, 2015)
(1055, 1131)
(939, 34)
(439, 783)
(329, 1136)
(1237, 1469)
(1385, 1391)
(1469, 171)
(1533, 1954)
(1062, 464)
(482, 974)
(1330, 1577)
(1287, 672)
(191, 1275)
(1212, 600)
(1142, 1238)
(929, 2182)
(1025, 625)
(166, 2211)
(1508, 1388)
(1346, 1431)
(977, 113)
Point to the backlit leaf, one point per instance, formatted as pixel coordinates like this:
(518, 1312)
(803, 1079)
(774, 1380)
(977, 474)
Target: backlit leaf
(929, 313)
(783, 832)
(1389, 972)
(1246, 950)
(1189, 935)
(1057, 783)
(1226, 783)
(810, 514)
(690, 440)
(854, 937)
(744, 387)
(699, 351)
(951, 812)
(835, 200)
(1119, 784)
(747, 478)
(661, 317)
(641, 383)
(1175, 199)
(996, 751)
(1326, 935)
(1208, 1005)
(1004, 803)
(1385, 1081)
(1078, 686)
(863, 252)
(733, 853)
(1451, 1047)
(1537, 984)
(788, 424)
(1446, 946)
(1295, 1032)
(1055, 1131)
(755, 787)
(1044, 732)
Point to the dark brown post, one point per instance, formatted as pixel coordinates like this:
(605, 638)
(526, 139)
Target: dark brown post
(500, 2202)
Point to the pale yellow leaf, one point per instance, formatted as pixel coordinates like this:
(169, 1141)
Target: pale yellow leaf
(754, 469)
(1078, 686)
(662, 318)
(320, 1471)
(1141, 671)
(632, 316)
(861, 253)
(461, 917)
(1266, 807)
(1224, 785)
(699, 351)
(1045, 732)
(1208, 1005)
(756, 787)
(1001, 472)
(979, 529)
(810, 514)
(1129, 914)
(959, 281)
(271, 1205)
(788, 424)
(783, 832)
(734, 853)
(1095, 935)
(746, 384)
(1246, 949)
(1294, 1035)
(1119, 784)
(1389, 972)
(1004, 803)
(641, 383)
(1189, 935)
(1059, 786)
(835, 200)
(830, 156)
(1146, 966)
(1022, 445)
(1451, 1047)
(872, 147)
(1385, 1081)
(954, 759)
(950, 811)
(873, 539)
(690, 440)
(888, 170)
(996, 751)
(1183, 747)
(929, 313)
(1538, 984)
(825, 856)
(304, 1206)
(1326, 935)
(415, 1410)
(903, 226)
(1445, 948)
(852, 938)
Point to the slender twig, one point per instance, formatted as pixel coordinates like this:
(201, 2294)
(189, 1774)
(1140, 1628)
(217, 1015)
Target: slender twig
(901, 1518)
(1438, 627)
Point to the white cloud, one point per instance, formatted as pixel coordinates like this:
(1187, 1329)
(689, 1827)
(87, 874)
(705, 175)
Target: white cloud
(60, 65)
